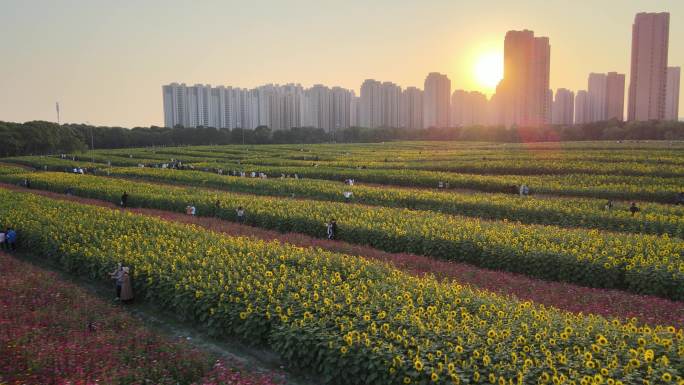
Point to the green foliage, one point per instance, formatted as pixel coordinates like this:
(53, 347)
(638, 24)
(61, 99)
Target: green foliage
(638, 263)
(347, 319)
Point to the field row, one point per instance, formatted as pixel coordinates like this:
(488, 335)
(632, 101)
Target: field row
(565, 212)
(632, 188)
(637, 263)
(609, 303)
(347, 319)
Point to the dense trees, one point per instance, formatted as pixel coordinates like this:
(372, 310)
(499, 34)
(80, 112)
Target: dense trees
(39, 137)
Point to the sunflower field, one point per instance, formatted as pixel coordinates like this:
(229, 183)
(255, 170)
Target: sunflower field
(349, 320)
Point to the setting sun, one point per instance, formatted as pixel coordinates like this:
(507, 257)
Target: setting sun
(488, 69)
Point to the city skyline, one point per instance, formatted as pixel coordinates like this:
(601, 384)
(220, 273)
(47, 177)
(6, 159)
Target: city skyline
(523, 96)
(450, 42)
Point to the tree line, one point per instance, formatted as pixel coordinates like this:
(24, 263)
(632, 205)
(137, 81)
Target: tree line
(41, 137)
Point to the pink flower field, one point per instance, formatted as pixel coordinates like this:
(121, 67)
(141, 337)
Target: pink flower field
(53, 332)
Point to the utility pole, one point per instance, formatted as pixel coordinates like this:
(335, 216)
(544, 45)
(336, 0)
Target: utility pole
(57, 108)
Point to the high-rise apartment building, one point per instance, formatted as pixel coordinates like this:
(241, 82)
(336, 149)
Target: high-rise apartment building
(341, 108)
(436, 95)
(275, 106)
(468, 108)
(672, 94)
(355, 111)
(370, 104)
(615, 96)
(596, 91)
(522, 95)
(650, 39)
(563, 110)
(582, 107)
(412, 108)
(606, 94)
(175, 104)
(391, 104)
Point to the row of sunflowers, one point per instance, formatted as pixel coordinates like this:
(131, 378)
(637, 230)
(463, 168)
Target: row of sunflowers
(643, 264)
(566, 212)
(605, 186)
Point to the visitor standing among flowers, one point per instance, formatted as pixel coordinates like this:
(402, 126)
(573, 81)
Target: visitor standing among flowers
(11, 239)
(126, 285)
(332, 229)
(240, 215)
(117, 275)
(217, 207)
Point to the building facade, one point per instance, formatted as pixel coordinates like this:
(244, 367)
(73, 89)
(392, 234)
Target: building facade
(582, 107)
(563, 110)
(650, 39)
(412, 108)
(615, 96)
(436, 100)
(522, 95)
(672, 94)
(468, 109)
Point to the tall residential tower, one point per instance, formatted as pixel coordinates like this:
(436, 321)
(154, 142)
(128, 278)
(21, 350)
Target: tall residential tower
(672, 94)
(650, 38)
(436, 95)
(523, 94)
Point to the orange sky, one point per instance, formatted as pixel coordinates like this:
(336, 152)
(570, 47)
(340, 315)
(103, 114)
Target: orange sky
(106, 61)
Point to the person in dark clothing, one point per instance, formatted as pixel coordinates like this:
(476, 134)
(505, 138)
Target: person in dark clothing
(11, 239)
(332, 229)
(240, 215)
(680, 198)
(609, 205)
(3, 239)
(217, 207)
(124, 199)
(633, 208)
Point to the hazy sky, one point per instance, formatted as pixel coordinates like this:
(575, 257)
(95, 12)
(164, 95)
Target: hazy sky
(105, 61)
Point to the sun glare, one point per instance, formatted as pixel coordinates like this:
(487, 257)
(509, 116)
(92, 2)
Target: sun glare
(489, 70)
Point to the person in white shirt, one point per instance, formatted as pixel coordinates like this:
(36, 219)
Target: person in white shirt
(347, 195)
(2, 239)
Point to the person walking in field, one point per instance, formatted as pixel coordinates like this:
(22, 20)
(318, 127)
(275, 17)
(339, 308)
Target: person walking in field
(11, 239)
(332, 229)
(124, 199)
(217, 207)
(240, 215)
(524, 190)
(634, 209)
(609, 205)
(126, 285)
(680, 198)
(117, 276)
